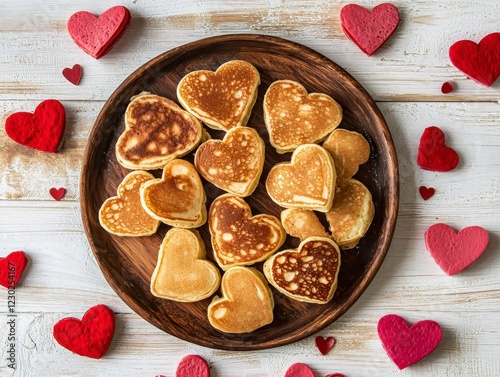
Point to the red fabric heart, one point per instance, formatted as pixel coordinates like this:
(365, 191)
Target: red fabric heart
(369, 30)
(42, 130)
(324, 344)
(479, 61)
(336, 375)
(299, 370)
(192, 366)
(453, 251)
(96, 35)
(57, 194)
(11, 268)
(446, 88)
(406, 345)
(433, 154)
(426, 193)
(89, 337)
(73, 75)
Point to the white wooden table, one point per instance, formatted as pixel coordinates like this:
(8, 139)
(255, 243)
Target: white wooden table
(404, 77)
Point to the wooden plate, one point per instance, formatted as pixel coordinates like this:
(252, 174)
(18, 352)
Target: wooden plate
(127, 263)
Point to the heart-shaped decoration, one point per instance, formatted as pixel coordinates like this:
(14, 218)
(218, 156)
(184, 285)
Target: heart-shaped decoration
(233, 164)
(426, 192)
(123, 214)
(42, 130)
(73, 75)
(96, 35)
(324, 345)
(369, 30)
(57, 194)
(479, 61)
(406, 345)
(222, 99)
(89, 337)
(238, 239)
(299, 370)
(11, 269)
(246, 304)
(447, 87)
(192, 366)
(433, 154)
(293, 117)
(182, 273)
(295, 273)
(453, 251)
(308, 181)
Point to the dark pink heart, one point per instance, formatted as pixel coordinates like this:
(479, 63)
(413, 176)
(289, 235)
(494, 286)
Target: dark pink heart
(446, 88)
(426, 192)
(192, 366)
(433, 154)
(299, 370)
(73, 75)
(57, 194)
(324, 344)
(406, 345)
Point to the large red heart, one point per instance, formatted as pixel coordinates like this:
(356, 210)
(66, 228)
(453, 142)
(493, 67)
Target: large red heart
(324, 345)
(433, 154)
(453, 251)
(192, 366)
(369, 30)
(42, 130)
(96, 35)
(479, 61)
(406, 345)
(11, 268)
(89, 337)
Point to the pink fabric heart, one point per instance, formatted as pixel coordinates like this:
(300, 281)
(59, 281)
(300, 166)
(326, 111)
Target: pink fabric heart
(324, 344)
(299, 370)
(406, 345)
(452, 251)
(192, 366)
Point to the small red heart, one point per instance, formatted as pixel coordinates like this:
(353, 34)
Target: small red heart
(42, 130)
(324, 344)
(446, 88)
(11, 268)
(426, 193)
(192, 366)
(57, 194)
(73, 75)
(299, 370)
(433, 154)
(336, 375)
(89, 337)
(96, 35)
(369, 30)
(406, 345)
(479, 61)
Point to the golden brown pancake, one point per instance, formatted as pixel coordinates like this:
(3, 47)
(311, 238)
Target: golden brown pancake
(302, 223)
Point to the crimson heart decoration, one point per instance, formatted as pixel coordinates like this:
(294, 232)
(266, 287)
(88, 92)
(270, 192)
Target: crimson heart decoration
(336, 375)
(73, 75)
(57, 194)
(324, 344)
(480, 61)
(426, 192)
(406, 345)
(369, 30)
(42, 130)
(11, 268)
(192, 366)
(89, 337)
(96, 35)
(446, 88)
(433, 154)
(302, 370)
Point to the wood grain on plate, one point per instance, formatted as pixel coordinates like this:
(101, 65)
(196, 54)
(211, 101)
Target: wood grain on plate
(127, 263)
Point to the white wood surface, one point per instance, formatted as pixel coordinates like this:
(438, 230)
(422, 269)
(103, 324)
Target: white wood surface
(404, 77)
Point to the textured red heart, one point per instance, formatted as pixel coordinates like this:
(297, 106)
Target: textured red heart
(11, 268)
(433, 154)
(336, 375)
(73, 75)
(89, 337)
(446, 88)
(299, 370)
(453, 251)
(426, 192)
(479, 61)
(192, 366)
(96, 35)
(57, 194)
(42, 130)
(406, 345)
(369, 30)
(324, 344)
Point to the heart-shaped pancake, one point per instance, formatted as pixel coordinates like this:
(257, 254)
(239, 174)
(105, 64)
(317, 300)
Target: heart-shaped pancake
(182, 273)
(123, 215)
(308, 181)
(302, 223)
(238, 239)
(233, 164)
(156, 131)
(307, 274)
(294, 117)
(433, 154)
(246, 304)
(222, 99)
(178, 198)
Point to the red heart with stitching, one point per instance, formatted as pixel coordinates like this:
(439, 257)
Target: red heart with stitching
(480, 61)
(433, 154)
(73, 75)
(42, 130)
(11, 268)
(324, 344)
(89, 337)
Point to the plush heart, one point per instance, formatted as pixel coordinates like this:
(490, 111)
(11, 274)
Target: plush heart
(369, 30)
(89, 337)
(96, 35)
(336, 375)
(426, 192)
(433, 154)
(479, 61)
(73, 75)
(42, 130)
(446, 88)
(11, 268)
(299, 370)
(453, 251)
(57, 194)
(406, 345)
(192, 366)
(324, 345)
